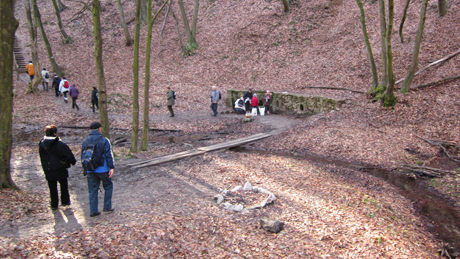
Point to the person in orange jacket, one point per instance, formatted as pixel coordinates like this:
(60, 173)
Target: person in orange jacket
(30, 70)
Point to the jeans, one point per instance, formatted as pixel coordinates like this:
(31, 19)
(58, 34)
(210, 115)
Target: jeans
(214, 108)
(238, 110)
(43, 84)
(65, 198)
(94, 181)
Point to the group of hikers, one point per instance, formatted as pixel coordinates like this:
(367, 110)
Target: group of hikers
(62, 87)
(97, 161)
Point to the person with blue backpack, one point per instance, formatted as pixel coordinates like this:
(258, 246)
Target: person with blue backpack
(98, 162)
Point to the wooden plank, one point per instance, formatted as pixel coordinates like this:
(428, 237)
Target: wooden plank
(198, 151)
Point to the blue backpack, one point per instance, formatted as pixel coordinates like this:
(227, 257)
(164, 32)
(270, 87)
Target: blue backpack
(87, 157)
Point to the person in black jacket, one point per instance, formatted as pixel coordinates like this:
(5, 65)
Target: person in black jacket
(56, 157)
(55, 84)
(247, 100)
(94, 98)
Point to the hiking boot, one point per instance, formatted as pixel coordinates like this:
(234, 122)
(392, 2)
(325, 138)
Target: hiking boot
(108, 210)
(95, 214)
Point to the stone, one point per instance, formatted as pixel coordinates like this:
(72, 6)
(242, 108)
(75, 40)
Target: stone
(255, 189)
(237, 188)
(219, 198)
(273, 226)
(270, 199)
(247, 187)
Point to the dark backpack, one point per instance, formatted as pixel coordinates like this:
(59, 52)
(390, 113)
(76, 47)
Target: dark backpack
(174, 95)
(220, 96)
(47, 75)
(87, 158)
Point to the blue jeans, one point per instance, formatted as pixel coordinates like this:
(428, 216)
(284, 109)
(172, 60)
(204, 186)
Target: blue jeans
(214, 108)
(94, 180)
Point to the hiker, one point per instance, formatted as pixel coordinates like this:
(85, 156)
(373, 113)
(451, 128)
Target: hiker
(215, 98)
(56, 157)
(247, 100)
(64, 88)
(239, 105)
(73, 92)
(30, 70)
(45, 78)
(267, 101)
(55, 84)
(94, 98)
(103, 158)
(170, 98)
(255, 102)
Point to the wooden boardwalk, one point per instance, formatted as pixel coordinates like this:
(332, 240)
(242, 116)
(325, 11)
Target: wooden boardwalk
(198, 151)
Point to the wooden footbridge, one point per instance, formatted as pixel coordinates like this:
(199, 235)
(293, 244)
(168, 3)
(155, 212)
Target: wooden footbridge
(199, 151)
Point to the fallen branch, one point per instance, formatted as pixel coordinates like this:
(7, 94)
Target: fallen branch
(151, 129)
(420, 172)
(444, 59)
(335, 88)
(445, 80)
(442, 144)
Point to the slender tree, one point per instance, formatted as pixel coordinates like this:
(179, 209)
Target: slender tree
(383, 42)
(65, 37)
(135, 122)
(62, 6)
(401, 26)
(286, 6)
(190, 31)
(177, 27)
(103, 116)
(145, 128)
(418, 39)
(375, 78)
(129, 40)
(33, 50)
(38, 21)
(389, 98)
(442, 7)
(8, 25)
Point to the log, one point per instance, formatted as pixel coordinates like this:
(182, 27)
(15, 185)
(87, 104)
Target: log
(85, 127)
(445, 80)
(335, 88)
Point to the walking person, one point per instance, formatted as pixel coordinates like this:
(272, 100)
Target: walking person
(30, 70)
(45, 78)
(267, 101)
(56, 157)
(73, 92)
(171, 99)
(55, 84)
(215, 98)
(94, 98)
(247, 100)
(103, 159)
(64, 88)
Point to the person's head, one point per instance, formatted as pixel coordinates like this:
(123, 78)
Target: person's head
(95, 126)
(55, 74)
(214, 87)
(50, 130)
(72, 85)
(250, 90)
(44, 68)
(268, 91)
(255, 94)
(30, 62)
(94, 87)
(241, 96)
(64, 77)
(168, 87)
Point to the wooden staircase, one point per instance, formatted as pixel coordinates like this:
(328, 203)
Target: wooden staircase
(19, 61)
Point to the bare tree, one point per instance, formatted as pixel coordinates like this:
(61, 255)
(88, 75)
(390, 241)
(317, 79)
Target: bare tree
(8, 25)
(286, 6)
(33, 50)
(65, 37)
(135, 122)
(190, 31)
(389, 98)
(129, 40)
(418, 39)
(62, 6)
(383, 33)
(38, 21)
(401, 26)
(177, 26)
(368, 46)
(103, 116)
(442, 7)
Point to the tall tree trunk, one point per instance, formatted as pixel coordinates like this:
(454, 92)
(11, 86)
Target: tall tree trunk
(383, 42)
(135, 122)
(8, 25)
(442, 7)
(101, 86)
(62, 6)
(401, 26)
(33, 50)
(196, 8)
(65, 37)
(144, 11)
(375, 78)
(177, 27)
(129, 40)
(191, 42)
(390, 99)
(286, 6)
(145, 128)
(38, 21)
(418, 39)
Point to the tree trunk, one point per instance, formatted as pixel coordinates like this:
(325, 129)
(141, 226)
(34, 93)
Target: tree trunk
(389, 99)
(375, 78)
(129, 40)
(196, 8)
(415, 59)
(286, 6)
(33, 50)
(102, 91)
(38, 21)
(177, 27)
(401, 26)
(61, 6)
(135, 122)
(383, 42)
(143, 11)
(145, 129)
(442, 7)
(65, 37)
(8, 25)
(191, 42)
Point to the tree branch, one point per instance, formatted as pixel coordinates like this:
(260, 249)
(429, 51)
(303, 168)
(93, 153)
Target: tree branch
(335, 88)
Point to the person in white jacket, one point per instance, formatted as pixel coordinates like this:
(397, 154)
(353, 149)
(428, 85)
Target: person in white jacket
(45, 78)
(64, 88)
